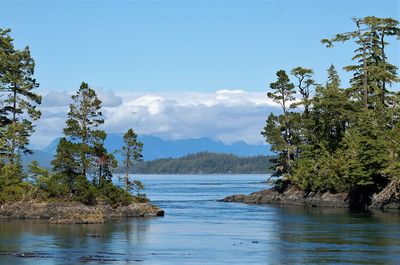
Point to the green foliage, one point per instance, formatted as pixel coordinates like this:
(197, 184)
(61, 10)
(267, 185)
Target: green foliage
(274, 133)
(66, 158)
(204, 163)
(131, 152)
(345, 139)
(57, 186)
(305, 83)
(366, 147)
(18, 108)
(80, 154)
(38, 174)
(137, 186)
(115, 196)
(373, 72)
(283, 90)
(16, 192)
(282, 131)
(105, 163)
(84, 117)
(11, 174)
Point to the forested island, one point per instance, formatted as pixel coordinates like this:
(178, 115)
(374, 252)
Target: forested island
(80, 187)
(204, 163)
(338, 146)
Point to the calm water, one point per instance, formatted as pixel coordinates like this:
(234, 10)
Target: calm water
(199, 230)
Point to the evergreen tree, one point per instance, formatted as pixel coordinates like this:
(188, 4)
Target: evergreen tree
(105, 163)
(84, 117)
(131, 152)
(279, 130)
(332, 112)
(373, 72)
(66, 162)
(19, 103)
(305, 83)
(347, 139)
(81, 154)
(393, 136)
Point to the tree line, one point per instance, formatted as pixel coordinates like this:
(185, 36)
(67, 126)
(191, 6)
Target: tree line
(342, 139)
(82, 167)
(204, 163)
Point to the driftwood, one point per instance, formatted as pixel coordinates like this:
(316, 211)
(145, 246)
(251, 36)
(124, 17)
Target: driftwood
(390, 194)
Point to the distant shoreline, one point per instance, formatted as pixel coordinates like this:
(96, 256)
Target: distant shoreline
(204, 163)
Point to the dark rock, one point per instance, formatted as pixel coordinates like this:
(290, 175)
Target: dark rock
(94, 235)
(74, 212)
(89, 259)
(294, 197)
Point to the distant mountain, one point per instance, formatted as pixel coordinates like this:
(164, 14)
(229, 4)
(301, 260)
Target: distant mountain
(156, 148)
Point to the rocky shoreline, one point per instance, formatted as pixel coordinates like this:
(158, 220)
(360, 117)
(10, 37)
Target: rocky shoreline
(74, 212)
(292, 196)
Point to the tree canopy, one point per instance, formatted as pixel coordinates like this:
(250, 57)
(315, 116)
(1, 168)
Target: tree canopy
(83, 169)
(341, 138)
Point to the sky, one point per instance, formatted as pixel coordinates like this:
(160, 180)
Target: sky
(180, 69)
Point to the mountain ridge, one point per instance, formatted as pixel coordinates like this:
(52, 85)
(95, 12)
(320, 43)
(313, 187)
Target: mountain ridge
(157, 148)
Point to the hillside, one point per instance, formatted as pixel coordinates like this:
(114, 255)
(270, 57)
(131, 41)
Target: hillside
(204, 163)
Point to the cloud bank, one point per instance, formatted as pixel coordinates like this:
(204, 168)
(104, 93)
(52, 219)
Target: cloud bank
(225, 115)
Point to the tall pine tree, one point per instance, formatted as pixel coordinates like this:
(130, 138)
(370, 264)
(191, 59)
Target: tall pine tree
(278, 130)
(18, 109)
(131, 152)
(82, 133)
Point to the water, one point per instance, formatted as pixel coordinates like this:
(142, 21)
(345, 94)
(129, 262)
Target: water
(199, 230)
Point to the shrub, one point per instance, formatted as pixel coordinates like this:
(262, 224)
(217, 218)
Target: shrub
(15, 192)
(115, 196)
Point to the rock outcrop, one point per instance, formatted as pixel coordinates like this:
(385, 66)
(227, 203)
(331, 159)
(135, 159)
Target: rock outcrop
(74, 212)
(293, 196)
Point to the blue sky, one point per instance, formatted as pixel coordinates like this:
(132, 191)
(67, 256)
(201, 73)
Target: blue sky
(179, 69)
(181, 45)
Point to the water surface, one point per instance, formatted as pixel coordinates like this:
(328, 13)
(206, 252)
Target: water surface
(199, 230)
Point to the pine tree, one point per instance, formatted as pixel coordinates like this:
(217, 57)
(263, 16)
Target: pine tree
(84, 117)
(372, 72)
(332, 112)
(132, 152)
(279, 130)
(105, 163)
(305, 83)
(19, 103)
(66, 162)
(346, 139)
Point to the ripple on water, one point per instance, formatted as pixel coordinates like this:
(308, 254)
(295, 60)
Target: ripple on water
(199, 230)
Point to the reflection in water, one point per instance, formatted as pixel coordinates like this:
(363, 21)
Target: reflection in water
(199, 230)
(316, 236)
(70, 242)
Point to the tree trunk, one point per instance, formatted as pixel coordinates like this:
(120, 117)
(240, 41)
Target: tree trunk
(384, 65)
(127, 168)
(365, 76)
(14, 120)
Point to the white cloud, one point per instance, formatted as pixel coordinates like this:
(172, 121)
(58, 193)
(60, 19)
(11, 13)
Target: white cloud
(108, 98)
(56, 99)
(226, 115)
(62, 98)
